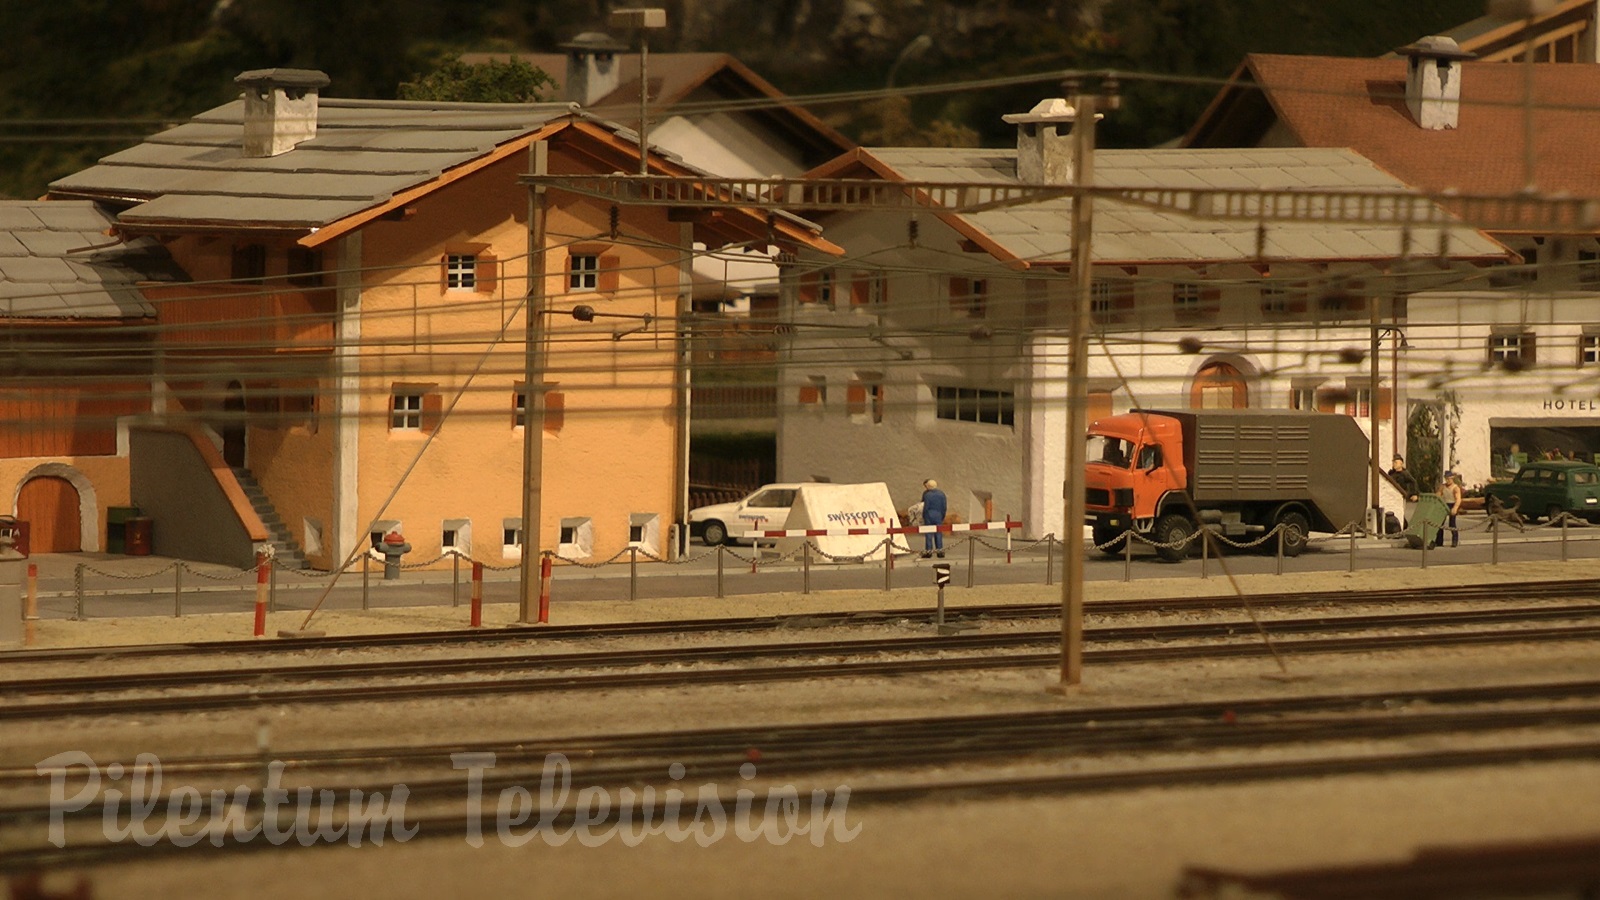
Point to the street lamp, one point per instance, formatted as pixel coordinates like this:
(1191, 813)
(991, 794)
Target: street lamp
(643, 20)
(918, 46)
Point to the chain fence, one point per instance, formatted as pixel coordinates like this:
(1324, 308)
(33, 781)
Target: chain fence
(1532, 541)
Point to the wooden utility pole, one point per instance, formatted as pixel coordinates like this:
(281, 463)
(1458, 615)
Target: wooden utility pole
(1083, 105)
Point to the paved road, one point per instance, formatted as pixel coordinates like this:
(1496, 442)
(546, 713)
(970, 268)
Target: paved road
(131, 586)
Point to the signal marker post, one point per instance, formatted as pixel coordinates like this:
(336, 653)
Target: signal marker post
(941, 577)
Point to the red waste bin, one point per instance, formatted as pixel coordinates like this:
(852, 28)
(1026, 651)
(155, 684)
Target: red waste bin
(138, 535)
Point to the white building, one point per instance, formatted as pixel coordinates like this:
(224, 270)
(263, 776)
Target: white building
(936, 347)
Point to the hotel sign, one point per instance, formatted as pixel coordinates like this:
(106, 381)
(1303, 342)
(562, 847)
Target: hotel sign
(1562, 404)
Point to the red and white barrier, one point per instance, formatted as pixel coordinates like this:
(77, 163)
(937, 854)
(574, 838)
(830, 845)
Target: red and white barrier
(910, 529)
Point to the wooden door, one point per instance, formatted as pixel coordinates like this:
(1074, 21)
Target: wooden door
(50, 507)
(1219, 386)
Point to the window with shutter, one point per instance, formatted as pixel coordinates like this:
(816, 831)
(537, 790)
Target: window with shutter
(555, 411)
(610, 275)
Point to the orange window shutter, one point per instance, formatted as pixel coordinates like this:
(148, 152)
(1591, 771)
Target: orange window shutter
(609, 277)
(444, 272)
(487, 272)
(855, 398)
(1326, 401)
(808, 287)
(883, 289)
(809, 394)
(1385, 403)
(860, 289)
(1529, 351)
(555, 411)
(960, 293)
(432, 411)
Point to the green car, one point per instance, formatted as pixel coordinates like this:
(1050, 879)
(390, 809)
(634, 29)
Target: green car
(1550, 487)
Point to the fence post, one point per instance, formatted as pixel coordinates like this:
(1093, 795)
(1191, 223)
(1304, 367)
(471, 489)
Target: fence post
(545, 566)
(1008, 539)
(1280, 548)
(1494, 541)
(366, 557)
(477, 595)
(1425, 551)
(263, 567)
(272, 585)
(720, 548)
(633, 572)
(1564, 537)
(77, 589)
(888, 560)
(972, 556)
(805, 555)
(1049, 559)
(455, 577)
(1127, 555)
(1352, 546)
(1205, 551)
(177, 590)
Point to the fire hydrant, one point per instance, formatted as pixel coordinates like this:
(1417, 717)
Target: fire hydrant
(393, 547)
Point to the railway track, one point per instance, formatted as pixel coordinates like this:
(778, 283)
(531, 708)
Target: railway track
(1498, 593)
(1129, 742)
(258, 686)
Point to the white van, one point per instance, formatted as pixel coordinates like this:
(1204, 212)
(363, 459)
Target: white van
(766, 509)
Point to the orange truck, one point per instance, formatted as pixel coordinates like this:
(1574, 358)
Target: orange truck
(1242, 472)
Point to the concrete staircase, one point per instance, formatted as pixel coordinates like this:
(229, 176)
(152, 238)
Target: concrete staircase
(288, 553)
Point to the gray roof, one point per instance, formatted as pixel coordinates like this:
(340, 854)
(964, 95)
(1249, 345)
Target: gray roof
(54, 263)
(1123, 232)
(364, 152)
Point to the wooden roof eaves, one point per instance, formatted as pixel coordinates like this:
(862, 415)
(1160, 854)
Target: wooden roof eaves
(805, 116)
(1244, 78)
(790, 230)
(349, 223)
(863, 159)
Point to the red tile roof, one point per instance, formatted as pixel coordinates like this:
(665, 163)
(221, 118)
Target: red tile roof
(1360, 104)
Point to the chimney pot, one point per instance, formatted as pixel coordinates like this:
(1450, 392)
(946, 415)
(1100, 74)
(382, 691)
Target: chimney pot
(1044, 148)
(280, 109)
(592, 67)
(1433, 81)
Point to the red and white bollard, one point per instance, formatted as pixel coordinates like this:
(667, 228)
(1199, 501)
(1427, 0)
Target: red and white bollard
(477, 595)
(544, 589)
(30, 612)
(262, 572)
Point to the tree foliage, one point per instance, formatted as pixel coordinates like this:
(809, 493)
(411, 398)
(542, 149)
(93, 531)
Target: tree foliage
(496, 81)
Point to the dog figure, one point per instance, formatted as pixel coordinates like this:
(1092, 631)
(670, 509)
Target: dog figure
(1508, 514)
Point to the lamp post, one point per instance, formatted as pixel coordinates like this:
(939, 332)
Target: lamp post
(918, 46)
(643, 20)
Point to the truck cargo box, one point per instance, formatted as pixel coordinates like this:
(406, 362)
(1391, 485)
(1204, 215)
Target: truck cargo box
(1275, 455)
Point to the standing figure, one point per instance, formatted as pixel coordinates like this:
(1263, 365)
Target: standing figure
(1450, 492)
(933, 511)
(1403, 479)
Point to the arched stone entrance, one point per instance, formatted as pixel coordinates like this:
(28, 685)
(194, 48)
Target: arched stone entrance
(1219, 385)
(58, 503)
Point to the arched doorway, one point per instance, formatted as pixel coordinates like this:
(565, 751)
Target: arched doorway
(50, 507)
(1219, 385)
(233, 425)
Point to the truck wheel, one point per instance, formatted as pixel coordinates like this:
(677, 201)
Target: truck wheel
(1172, 529)
(1296, 530)
(716, 533)
(1109, 540)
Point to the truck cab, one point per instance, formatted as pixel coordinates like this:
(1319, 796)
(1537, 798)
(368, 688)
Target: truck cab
(1133, 461)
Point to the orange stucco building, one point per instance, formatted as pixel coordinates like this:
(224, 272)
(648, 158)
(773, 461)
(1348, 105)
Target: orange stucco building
(350, 339)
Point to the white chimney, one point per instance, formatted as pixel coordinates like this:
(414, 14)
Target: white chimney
(1044, 146)
(592, 67)
(280, 109)
(1433, 81)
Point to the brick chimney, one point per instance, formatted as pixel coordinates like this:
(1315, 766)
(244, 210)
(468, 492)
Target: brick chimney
(592, 67)
(1433, 81)
(1044, 142)
(280, 109)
